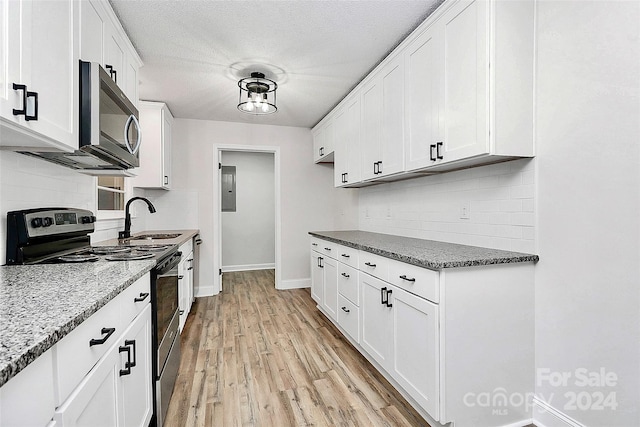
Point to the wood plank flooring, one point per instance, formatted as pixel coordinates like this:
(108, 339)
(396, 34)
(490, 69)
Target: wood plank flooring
(254, 356)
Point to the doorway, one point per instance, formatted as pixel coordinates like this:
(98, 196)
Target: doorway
(247, 206)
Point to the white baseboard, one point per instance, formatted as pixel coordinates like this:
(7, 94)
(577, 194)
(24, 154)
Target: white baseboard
(294, 284)
(204, 291)
(545, 415)
(248, 267)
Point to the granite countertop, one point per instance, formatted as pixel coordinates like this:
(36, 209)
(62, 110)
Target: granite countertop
(184, 236)
(423, 253)
(40, 304)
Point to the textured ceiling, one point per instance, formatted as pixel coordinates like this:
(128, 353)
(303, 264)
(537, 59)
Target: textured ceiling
(194, 52)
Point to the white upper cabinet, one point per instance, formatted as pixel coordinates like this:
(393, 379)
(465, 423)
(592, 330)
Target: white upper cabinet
(422, 96)
(156, 122)
(104, 41)
(39, 92)
(383, 121)
(323, 141)
(347, 142)
(457, 93)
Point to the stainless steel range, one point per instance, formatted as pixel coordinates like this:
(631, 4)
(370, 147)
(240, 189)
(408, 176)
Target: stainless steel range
(61, 235)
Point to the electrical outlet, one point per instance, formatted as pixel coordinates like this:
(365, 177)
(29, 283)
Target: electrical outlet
(465, 211)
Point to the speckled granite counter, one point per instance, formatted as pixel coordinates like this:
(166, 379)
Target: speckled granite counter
(423, 253)
(184, 235)
(40, 304)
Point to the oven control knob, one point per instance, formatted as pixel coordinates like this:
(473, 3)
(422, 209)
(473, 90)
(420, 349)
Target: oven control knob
(47, 221)
(36, 222)
(86, 220)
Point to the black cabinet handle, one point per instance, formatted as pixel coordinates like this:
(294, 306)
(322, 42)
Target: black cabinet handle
(368, 264)
(166, 180)
(375, 169)
(327, 249)
(383, 292)
(345, 275)
(387, 301)
(346, 310)
(23, 88)
(438, 146)
(112, 73)
(181, 312)
(314, 244)
(132, 343)
(127, 364)
(380, 166)
(321, 151)
(142, 297)
(180, 277)
(320, 262)
(189, 268)
(198, 241)
(346, 256)
(404, 277)
(28, 117)
(107, 332)
(431, 155)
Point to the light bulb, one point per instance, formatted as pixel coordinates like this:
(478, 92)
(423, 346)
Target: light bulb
(265, 107)
(249, 106)
(258, 100)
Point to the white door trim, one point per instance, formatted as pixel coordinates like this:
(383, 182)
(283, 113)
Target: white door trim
(217, 217)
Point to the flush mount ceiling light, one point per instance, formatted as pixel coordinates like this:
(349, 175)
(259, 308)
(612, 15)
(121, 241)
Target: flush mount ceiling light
(257, 95)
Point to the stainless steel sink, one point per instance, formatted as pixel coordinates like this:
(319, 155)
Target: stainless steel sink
(158, 236)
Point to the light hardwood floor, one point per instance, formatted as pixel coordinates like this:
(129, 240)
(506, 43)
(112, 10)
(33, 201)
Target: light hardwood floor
(254, 356)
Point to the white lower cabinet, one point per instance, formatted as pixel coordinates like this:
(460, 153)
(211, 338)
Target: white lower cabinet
(117, 391)
(437, 336)
(330, 300)
(185, 282)
(317, 287)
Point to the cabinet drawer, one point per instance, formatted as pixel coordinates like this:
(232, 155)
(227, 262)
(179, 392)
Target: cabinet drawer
(347, 255)
(325, 247)
(348, 283)
(419, 281)
(349, 318)
(74, 356)
(374, 265)
(186, 248)
(134, 299)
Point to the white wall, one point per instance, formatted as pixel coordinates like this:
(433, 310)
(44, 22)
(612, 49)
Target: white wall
(500, 197)
(248, 234)
(309, 201)
(588, 139)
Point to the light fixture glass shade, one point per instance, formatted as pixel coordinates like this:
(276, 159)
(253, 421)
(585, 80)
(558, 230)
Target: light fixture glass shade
(257, 95)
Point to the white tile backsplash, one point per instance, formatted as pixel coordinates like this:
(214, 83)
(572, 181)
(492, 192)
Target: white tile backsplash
(501, 200)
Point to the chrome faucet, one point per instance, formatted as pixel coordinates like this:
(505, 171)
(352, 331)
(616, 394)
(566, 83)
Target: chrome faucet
(127, 217)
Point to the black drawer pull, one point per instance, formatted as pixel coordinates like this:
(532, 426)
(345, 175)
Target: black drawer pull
(383, 293)
(314, 244)
(345, 275)
(387, 301)
(404, 277)
(346, 256)
(368, 264)
(190, 268)
(438, 155)
(107, 332)
(180, 277)
(127, 364)
(132, 343)
(432, 157)
(327, 249)
(181, 312)
(198, 241)
(28, 117)
(23, 88)
(346, 310)
(143, 296)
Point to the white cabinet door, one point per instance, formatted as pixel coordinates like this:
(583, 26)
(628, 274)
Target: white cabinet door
(130, 81)
(341, 147)
(371, 128)
(137, 403)
(114, 59)
(377, 328)
(317, 287)
(41, 42)
(182, 291)
(465, 84)
(92, 32)
(392, 144)
(416, 348)
(167, 123)
(95, 402)
(330, 300)
(422, 96)
(156, 122)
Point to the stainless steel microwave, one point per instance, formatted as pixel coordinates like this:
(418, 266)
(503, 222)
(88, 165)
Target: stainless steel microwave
(109, 131)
